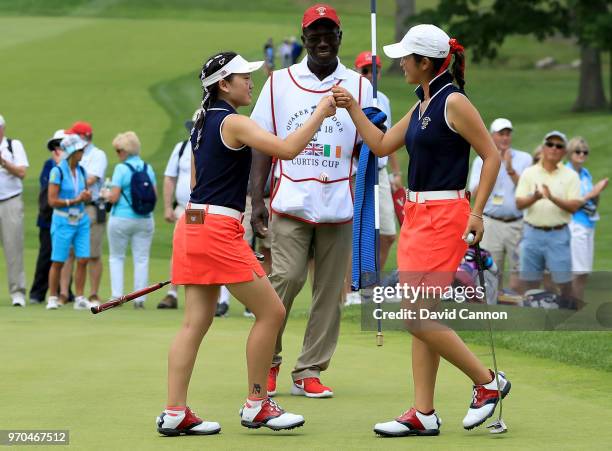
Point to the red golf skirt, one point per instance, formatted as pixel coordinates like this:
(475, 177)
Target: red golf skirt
(430, 246)
(213, 253)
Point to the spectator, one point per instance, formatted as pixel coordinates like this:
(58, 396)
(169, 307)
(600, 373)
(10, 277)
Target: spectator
(13, 165)
(386, 184)
(503, 222)
(40, 284)
(94, 162)
(549, 193)
(68, 195)
(296, 50)
(177, 188)
(128, 222)
(269, 56)
(582, 226)
(285, 52)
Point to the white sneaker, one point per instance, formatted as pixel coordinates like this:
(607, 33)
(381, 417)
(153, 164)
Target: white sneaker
(353, 298)
(18, 300)
(52, 303)
(185, 423)
(94, 303)
(81, 303)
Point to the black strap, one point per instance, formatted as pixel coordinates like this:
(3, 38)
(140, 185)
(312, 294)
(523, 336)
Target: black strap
(182, 150)
(82, 173)
(9, 142)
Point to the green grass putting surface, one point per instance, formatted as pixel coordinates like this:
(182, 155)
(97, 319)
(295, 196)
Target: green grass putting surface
(103, 377)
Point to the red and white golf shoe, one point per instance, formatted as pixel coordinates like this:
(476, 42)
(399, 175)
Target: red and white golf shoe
(484, 400)
(411, 422)
(270, 415)
(272, 375)
(185, 423)
(311, 387)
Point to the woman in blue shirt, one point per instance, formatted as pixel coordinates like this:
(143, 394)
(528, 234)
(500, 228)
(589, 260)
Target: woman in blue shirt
(582, 226)
(125, 224)
(67, 196)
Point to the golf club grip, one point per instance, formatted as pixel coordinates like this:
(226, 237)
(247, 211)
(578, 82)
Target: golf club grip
(128, 297)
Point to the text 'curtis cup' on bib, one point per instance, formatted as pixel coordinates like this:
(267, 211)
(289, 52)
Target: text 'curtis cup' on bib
(314, 186)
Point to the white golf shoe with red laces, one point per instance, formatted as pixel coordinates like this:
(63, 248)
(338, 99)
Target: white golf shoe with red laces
(270, 415)
(187, 422)
(484, 400)
(411, 422)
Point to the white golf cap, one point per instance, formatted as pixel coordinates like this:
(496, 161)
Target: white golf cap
(2, 121)
(558, 134)
(425, 40)
(500, 124)
(237, 65)
(57, 137)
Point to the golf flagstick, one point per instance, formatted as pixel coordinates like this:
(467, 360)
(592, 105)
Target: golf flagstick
(379, 334)
(497, 427)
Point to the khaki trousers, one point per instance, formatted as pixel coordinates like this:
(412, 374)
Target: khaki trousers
(11, 237)
(331, 245)
(502, 240)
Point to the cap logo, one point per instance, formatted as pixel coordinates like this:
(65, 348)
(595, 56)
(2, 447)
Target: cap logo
(222, 61)
(223, 73)
(321, 10)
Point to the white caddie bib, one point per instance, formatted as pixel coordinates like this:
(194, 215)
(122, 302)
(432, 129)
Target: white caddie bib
(315, 186)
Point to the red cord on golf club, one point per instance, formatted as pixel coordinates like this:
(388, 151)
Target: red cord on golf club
(128, 297)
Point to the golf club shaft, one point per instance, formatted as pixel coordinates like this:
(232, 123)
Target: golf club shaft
(128, 297)
(481, 278)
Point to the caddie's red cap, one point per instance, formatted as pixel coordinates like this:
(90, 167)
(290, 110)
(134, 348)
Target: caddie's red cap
(80, 128)
(317, 12)
(365, 59)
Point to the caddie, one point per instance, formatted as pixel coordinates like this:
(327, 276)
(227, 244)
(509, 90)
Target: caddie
(312, 205)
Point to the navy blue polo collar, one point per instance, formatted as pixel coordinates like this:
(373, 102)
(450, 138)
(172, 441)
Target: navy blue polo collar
(435, 85)
(222, 105)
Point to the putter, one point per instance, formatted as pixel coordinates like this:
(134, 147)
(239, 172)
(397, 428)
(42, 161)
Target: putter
(497, 427)
(127, 297)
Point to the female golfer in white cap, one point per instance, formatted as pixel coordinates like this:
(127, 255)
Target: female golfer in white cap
(437, 132)
(209, 249)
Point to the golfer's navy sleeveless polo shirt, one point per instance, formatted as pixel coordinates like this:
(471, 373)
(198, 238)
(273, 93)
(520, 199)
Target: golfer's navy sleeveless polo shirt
(439, 157)
(222, 173)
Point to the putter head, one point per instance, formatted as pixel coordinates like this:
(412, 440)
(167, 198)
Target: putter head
(498, 427)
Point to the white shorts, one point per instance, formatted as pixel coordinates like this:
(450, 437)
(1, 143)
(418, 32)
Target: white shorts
(387, 212)
(583, 246)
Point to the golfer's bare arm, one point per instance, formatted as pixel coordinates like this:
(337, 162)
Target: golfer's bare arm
(379, 142)
(465, 119)
(193, 172)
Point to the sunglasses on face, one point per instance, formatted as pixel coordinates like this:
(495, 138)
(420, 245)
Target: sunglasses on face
(367, 70)
(581, 151)
(554, 145)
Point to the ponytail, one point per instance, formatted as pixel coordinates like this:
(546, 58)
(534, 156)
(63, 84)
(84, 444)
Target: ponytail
(211, 93)
(441, 64)
(458, 69)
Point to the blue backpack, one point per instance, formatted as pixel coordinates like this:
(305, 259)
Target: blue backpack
(143, 191)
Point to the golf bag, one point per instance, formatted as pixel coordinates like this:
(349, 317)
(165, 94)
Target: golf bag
(467, 273)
